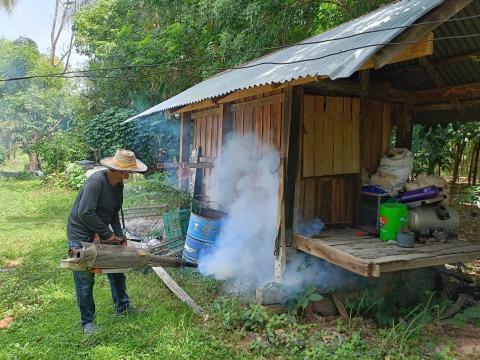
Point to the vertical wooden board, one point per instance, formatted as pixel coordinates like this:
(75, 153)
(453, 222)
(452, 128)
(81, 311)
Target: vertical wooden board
(300, 200)
(276, 116)
(347, 135)
(328, 141)
(336, 113)
(248, 119)
(222, 119)
(367, 135)
(200, 133)
(266, 126)
(325, 192)
(209, 137)
(335, 201)
(309, 207)
(355, 119)
(213, 150)
(377, 134)
(387, 127)
(308, 135)
(257, 123)
(318, 125)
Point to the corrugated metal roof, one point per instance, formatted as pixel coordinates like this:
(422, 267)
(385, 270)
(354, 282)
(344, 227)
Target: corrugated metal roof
(401, 13)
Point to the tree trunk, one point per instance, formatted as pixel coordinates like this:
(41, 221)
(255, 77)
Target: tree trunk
(470, 168)
(456, 164)
(475, 161)
(34, 161)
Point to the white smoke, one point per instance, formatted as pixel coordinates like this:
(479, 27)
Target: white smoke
(247, 190)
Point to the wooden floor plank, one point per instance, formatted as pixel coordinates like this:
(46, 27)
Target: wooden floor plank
(369, 256)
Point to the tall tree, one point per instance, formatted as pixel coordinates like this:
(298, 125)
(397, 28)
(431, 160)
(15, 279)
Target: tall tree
(8, 5)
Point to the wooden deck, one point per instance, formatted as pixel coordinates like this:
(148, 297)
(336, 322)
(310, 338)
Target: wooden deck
(370, 256)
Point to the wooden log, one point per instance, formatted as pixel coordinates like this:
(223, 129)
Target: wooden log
(178, 291)
(100, 256)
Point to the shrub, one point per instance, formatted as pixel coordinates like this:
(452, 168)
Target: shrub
(76, 177)
(62, 148)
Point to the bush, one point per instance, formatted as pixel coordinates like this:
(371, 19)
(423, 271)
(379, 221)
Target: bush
(76, 177)
(62, 148)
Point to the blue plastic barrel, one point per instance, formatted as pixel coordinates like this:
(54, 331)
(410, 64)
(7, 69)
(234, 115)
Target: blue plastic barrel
(202, 233)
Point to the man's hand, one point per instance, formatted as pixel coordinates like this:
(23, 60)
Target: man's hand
(113, 240)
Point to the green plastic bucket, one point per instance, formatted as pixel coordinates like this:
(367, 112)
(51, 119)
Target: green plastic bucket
(393, 219)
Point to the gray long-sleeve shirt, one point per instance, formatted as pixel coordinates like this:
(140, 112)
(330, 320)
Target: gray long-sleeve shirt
(95, 208)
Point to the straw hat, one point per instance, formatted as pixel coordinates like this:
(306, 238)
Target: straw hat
(124, 160)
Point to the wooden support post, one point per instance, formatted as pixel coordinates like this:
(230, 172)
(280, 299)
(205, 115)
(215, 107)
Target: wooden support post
(185, 127)
(405, 127)
(293, 175)
(281, 241)
(415, 33)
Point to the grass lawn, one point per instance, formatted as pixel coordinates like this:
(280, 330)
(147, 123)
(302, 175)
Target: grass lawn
(40, 297)
(16, 165)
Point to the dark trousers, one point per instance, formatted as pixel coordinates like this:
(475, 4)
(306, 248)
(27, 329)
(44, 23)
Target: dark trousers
(84, 281)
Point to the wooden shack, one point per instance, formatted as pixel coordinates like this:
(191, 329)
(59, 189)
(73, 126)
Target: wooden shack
(333, 112)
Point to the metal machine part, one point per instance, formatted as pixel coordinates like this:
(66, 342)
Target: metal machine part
(438, 222)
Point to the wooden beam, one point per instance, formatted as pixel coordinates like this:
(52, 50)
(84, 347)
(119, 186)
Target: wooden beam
(258, 102)
(377, 90)
(439, 81)
(423, 48)
(467, 91)
(416, 33)
(204, 113)
(257, 90)
(446, 106)
(185, 165)
(177, 290)
(197, 106)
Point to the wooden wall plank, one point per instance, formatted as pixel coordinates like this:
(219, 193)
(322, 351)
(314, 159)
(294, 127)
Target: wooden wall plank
(356, 134)
(266, 131)
(275, 123)
(319, 124)
(309, 136)
(386, 127)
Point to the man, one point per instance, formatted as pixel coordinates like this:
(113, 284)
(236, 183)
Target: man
(94, 211)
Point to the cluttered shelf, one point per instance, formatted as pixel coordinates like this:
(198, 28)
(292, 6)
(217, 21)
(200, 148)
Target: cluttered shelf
(369, 256)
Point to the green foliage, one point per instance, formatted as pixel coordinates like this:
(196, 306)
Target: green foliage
(254, 317)
(156, 189)
(59, 150)
(195, 39)
(469, 315)
(105, 132)
(467, 195)
(309, 294)
(76, 177)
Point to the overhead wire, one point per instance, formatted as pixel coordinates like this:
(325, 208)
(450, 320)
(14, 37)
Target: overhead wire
(75, 73)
